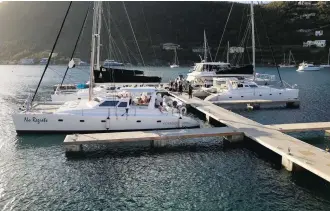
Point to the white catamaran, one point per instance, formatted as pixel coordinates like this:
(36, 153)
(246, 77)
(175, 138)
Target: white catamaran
(127, 111)
(230, 89)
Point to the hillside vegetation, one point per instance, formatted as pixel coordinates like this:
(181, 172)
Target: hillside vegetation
(28, 29)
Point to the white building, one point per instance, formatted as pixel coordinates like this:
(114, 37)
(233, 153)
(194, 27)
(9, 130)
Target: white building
(316, 43)
(318, 33)
(304, 30)
(26, 61)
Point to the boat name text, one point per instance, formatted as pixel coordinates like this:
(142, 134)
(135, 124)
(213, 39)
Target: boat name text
(34, 119)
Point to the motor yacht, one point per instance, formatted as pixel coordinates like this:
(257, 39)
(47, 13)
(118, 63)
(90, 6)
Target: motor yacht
(228, 89)
(304, 66)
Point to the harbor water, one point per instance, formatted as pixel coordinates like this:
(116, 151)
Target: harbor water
(36, 175)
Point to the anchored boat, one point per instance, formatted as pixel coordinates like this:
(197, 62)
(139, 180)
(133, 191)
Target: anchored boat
(304, 66)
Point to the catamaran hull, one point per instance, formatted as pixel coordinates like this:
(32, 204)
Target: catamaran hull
(174, 66)
(64, 123)
(271, 94)
(325, 66)
(308, 69)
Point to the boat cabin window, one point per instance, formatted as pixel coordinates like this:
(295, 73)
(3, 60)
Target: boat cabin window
(253, 86)
(109, 103)
(246, 86)
(239, 85)
(215, 68)
(122, 105)
(111, 88)
(220, 82)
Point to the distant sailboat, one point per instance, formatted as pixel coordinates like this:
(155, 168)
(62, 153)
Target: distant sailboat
(286, 65)
(176, 60)
(326, 65)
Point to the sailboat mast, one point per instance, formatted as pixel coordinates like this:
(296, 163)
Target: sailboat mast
(284, 58)
(205, 47)
(328, 56)
(228, 52)
(99, 35)
(253, 42)
(289, 57)
(176, 57)
(95, 15)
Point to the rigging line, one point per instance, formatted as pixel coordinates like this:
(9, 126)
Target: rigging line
(244, 40)
(51, 53)
(240, 28)
(246, 43)
(255, 27)
(128, 50)
(108, 29)
(215, 58)
(123, 41)
(117, 55)
(108, 26)
(270, 46)
(129, 20)
(242, 43)
(77, 41)
(145, 20)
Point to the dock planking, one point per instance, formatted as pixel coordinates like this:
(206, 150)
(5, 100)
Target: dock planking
(300, 127)
(224, 102)
(293, 151)
(102, 138)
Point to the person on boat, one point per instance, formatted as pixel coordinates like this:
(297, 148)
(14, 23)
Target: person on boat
(180, 88)
(157, 103)
(176, 86)
(190, 91)
(171, 84)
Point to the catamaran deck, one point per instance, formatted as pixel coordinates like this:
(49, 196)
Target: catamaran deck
(45, 107)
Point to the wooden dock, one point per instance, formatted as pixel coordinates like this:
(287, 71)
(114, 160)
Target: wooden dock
(300, 127)
(72, 142)
(224, 102)
(295, 153)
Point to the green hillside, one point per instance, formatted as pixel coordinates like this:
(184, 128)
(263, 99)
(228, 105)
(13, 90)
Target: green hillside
(29, 28)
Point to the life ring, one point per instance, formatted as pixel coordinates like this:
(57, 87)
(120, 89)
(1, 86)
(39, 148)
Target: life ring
(183, 110)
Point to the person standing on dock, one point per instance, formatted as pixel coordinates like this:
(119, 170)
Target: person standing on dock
(190, 91)
(180, 88)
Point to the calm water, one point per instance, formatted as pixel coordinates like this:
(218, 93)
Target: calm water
(35, 174)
